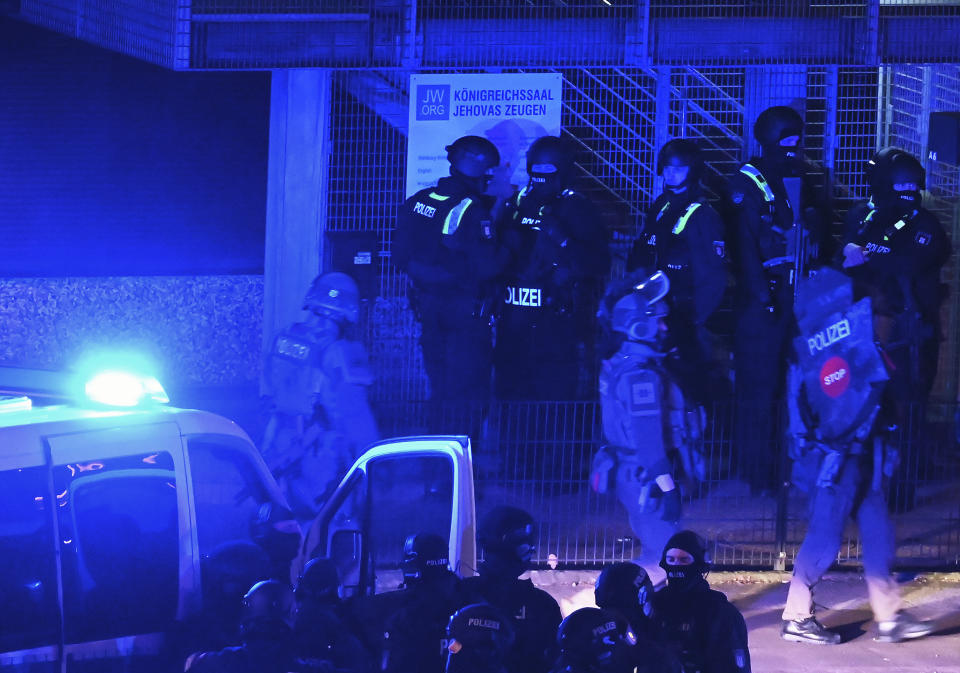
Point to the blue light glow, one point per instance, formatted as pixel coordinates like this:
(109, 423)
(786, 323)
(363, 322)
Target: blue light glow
(124, 389)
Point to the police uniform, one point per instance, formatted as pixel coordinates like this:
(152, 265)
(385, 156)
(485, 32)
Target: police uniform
(764, 235)
(684, 237)
(558, 254)
(415, 635)
(706, 631)
(321, 418)
(535, 618)
(902, 277)
(445, 242)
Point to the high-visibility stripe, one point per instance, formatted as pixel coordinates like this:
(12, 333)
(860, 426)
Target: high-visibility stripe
(897, 226)
(452, 221)
(757, 178)
(662, 211)
(438, 197)
(682, 222)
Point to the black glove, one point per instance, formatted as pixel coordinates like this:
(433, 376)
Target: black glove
(670, 502)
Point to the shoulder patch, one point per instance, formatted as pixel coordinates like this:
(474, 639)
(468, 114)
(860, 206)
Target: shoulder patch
(923, 237)
(737, 197)
(720, 247)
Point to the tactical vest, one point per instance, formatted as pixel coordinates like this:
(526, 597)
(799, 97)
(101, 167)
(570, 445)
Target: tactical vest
(632, 404)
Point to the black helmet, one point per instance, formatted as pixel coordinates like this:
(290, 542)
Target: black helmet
(507, 531)
(891, 166)
(687, 152)
(776, 123)
(319, 582)
(623, 586)
(231, 569)
(597, 640)
(472, 156)
(550, 157)
(425, 555)
(479, 631)
(334, 295)
(268, 608)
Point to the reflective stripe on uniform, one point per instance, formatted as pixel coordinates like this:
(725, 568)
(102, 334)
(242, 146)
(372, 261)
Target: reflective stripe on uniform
(682, 222)
(452, 221)
(438, 197)
(757, 178)
(663, 210)
(897, 226)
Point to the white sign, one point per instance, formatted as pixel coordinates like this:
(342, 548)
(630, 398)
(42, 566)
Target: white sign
(512, 110)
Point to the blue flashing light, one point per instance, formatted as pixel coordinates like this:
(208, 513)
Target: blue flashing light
(117, 388)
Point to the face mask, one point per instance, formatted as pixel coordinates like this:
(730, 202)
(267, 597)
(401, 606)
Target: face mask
(546, 185)
(908, 200)
(683, 576)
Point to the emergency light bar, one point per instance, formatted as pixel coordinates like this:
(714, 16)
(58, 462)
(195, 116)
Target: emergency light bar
(124, 389)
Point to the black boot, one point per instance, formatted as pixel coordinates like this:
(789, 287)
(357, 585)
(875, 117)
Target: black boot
(808, 630)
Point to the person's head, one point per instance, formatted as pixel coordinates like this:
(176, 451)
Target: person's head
(680, 162)
(268, 611)
(276, 531)
(639, 314)
(478, 638)
(472, 159)
(685, 558)
(333, 296)
(319, 583)
(779, 130)
(598, 641)
(425, 556)
(623, 587)
(896, 179)
(550, 164)
(506, 537)
(228, 572)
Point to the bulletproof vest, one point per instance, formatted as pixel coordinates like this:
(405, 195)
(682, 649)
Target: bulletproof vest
(294, 369)
(631, 399)
(434, 220)
(777, 214)
(530, 283)
(843, 373)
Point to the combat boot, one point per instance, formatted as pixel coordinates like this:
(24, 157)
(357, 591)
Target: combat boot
(903, 626)
(808, 630)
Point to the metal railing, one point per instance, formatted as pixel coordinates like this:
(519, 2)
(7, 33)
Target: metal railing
(537, 455)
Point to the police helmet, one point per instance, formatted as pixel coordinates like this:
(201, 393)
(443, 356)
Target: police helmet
(550, 156)
(693, 544)
(479, 630)
(268, 607)
(319, 582)
(687, 152)
(507, 531)
(276, 530)
(231, 569)
(334, 295)
(425, 555)
(637, 313)
(891, 166)
(776, 123)
(598, 640)
(622, 586)
(472, 156)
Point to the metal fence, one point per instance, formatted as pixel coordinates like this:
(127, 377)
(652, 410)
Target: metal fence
(538, 456)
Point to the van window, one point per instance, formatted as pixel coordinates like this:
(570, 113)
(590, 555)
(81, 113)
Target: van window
(28, 584)
(228, 489)
(119, 545)
(407, 495)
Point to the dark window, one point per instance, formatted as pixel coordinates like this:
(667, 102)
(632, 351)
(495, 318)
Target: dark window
(119, 541)
(407, 494)
(28, 585)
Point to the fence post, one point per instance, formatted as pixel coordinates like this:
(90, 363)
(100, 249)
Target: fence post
(780, 532)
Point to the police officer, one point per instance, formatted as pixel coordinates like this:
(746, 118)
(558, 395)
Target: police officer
(625, 588)
(266, 635)
(683, 236)
(640, 429)
(415, 635)
(774, 238)
(558, 257)
(706, 631)
(839, 458)
(894, 249)
(593, 640)
(276, 531)
(445, 242)
(321, 635)
(317, 381)
(506, 537)
(479, 638)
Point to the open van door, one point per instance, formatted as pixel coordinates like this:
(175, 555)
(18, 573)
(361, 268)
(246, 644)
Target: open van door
(397, 488)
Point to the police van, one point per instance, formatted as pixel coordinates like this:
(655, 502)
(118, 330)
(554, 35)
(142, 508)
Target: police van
(110, 507)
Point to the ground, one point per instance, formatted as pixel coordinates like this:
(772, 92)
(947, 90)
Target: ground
(760, 597)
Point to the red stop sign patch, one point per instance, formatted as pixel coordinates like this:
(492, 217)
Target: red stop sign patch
(835, 376)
